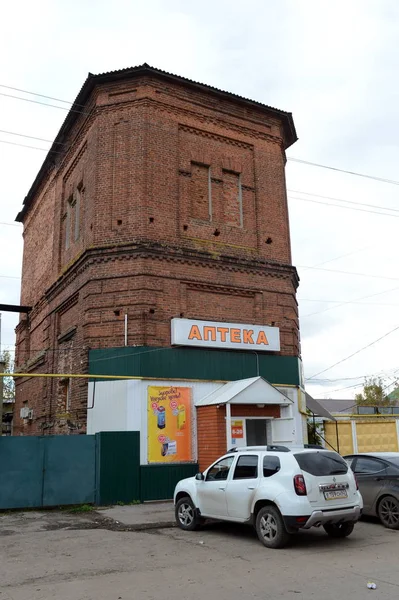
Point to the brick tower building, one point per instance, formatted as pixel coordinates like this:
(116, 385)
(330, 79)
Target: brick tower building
(161, 199)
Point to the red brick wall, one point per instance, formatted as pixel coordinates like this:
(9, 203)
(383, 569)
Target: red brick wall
(211, 434)
(211, 428)
(163, 173)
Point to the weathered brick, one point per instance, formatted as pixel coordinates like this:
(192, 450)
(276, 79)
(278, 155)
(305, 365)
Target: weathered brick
(174, 199)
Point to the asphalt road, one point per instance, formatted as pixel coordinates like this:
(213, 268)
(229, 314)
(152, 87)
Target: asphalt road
(70, 557)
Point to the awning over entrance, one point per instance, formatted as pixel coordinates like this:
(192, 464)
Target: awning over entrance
(317, 409)
(254, 390)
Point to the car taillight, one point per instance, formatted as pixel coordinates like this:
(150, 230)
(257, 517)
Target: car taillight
(357, 485)
(300, 485)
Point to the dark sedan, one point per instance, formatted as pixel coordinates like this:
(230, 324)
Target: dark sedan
(377, 474)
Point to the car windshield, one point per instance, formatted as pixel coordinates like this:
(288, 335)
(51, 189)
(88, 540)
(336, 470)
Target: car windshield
(322, 463)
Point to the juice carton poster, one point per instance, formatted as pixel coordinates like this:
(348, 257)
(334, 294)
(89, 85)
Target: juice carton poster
(169, 424)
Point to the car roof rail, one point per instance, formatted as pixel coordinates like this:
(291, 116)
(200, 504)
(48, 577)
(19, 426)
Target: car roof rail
(270, 448)
(277, 449)
(314, 446)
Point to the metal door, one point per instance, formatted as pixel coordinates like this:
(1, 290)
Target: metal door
(69, 470)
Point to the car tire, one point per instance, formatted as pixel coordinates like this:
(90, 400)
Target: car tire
(339, 530)
(388, 512)
(270, 528)
(186, 514)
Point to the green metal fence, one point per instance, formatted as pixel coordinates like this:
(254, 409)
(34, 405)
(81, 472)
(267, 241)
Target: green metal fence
(159, 481)
(40, 471)
(47, 471)
(118, 467)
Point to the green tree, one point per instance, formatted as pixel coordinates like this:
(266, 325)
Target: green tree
(8, 384)
(373, 394)
(313, 434)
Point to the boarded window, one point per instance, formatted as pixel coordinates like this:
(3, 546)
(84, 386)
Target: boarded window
(68, 222)
(78, 197)
(232, 199)
(200, 192)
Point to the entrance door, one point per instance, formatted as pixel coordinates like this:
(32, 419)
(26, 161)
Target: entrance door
(256, 432)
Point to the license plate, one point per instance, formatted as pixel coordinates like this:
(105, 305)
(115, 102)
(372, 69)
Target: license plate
(336, 495)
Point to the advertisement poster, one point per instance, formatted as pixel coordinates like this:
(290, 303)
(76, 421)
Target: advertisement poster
(237, 430)
(169, 424)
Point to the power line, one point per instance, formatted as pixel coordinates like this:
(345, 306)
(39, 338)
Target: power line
(377, 374)
(68, 109)
(357, 300)
(292, 197)
(341, 302)
(31, 147)
(358, 385)
(386, 214)
(10, 224)
(9, 87)
(71, 109)
(347, 272)
(321, 269)
(374, 212)
(341, 200)
(313, 164)
(354, 353)
(338, 257)
(31, 137)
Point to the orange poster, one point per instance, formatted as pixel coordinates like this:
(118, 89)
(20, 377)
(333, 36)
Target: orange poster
(237, 430)
(169, 424)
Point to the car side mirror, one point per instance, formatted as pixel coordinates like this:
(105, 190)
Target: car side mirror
(199, 477)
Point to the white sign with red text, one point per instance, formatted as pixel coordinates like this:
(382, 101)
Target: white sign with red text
(232, 336)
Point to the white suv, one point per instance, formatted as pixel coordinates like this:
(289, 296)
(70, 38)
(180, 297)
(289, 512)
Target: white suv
(278, 489)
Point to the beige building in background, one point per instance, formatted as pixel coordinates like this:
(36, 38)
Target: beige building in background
(356, 431)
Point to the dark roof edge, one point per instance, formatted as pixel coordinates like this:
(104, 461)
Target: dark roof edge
(111, 76)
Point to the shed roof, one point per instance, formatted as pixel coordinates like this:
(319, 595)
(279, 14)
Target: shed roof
(317, 409)
(254, 390)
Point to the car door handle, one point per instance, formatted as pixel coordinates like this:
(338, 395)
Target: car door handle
(251, 487)
(223, 489)
(379, 478)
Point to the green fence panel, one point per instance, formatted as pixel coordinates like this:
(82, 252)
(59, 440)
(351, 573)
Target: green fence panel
(69, 470)
(118, 467)
(158, 482)
(21, 472)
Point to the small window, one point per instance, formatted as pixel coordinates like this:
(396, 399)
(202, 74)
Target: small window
(322, 463)
(220, 471)
(246, 468)
(366, 465)
(271, 465)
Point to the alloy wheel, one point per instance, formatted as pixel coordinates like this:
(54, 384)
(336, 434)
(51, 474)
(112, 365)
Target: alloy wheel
(186, 514)
(268, 527)
(389, 512)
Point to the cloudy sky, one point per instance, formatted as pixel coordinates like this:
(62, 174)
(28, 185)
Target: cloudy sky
(334, 65)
